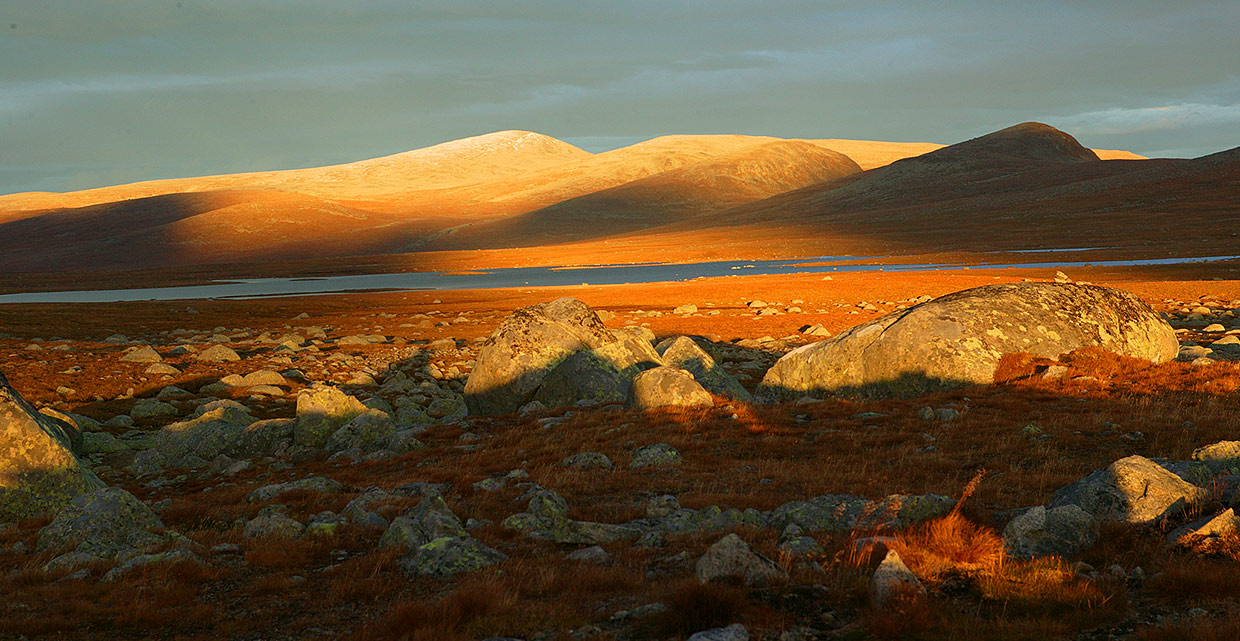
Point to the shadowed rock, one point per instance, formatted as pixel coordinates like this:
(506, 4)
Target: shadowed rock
(101, 525)
(684, 353)
(731, 557)
(39, 471)
(958, 339)
(1063, 531)
(893, 582)
(557, 353)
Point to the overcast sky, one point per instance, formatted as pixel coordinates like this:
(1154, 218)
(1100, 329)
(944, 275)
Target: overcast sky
(97, 92)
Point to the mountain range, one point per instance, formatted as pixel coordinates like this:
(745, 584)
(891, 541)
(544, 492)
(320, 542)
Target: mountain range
(539, 200)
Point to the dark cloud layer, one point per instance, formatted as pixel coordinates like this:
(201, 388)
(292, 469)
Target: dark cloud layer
(95, 93)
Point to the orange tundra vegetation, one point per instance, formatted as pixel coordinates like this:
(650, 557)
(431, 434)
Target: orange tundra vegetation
(734, 456)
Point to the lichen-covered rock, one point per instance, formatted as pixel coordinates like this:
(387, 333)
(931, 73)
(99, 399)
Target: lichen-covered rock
(272, 524)
(264, 438)
(39, 472)
(588, 461)
(1223, 455)
(321, 410)
(368, 431)
(171, 557)
(513, 362)
(449, 556)
(655, 455)
(152, 408)
(667, 387)
(1131, 490)
(602, 375)
(686, 354)
(102, 524)
(958, 340)
(1063, 531)
(430, 519)
(731, 557)
(206, 436)
(318, 484)
(844, 512)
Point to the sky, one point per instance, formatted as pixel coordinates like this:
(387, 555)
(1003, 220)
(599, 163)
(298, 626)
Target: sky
(104, 92)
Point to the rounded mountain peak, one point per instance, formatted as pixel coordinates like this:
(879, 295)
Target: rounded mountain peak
(1027, 141)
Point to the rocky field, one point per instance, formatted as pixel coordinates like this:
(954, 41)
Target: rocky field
(779, 458)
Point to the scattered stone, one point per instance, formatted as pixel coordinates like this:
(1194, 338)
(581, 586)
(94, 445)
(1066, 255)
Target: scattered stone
(734, 632)
(593, 554)
(661, 506)
(1132, 490)
(144, 354)
(318, 484)
(656, 455)
(893, 582)
(321, 410)
(732, 557)
(1063, 531)
(514, 363)
(588, 461)
(145, 408)
(217, 354)
(1222, 524)
(272, 524)
(102, 525)
(171, 557)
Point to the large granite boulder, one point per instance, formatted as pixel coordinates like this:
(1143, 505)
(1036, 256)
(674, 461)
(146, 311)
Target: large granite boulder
(530, 344)
(321, 410)
(958, 339)
(667, 387)
(39, 471)
(101, 525)
(602, 375)
(1131, 490)
(686, 354)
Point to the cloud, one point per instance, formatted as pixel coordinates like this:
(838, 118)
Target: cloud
(1121, 121)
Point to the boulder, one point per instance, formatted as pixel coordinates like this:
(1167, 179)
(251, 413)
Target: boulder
(1131, 490)
(369, 431)
(318, 484)
(272, 524)
(171, 557)
(734, 632)
(1063, 531)
(893, 582)
(430, 519)
(731, 557)
(667, 387)
(321, 410)
(655, 455)
(588, 461)
(207, 436)
(101, 525)
(217, 354)
(514, 361)
(449, 556)
(958, 339)
(686, 354)
(1224, 524)
(144, 354)
(39, 472)
(602, 375)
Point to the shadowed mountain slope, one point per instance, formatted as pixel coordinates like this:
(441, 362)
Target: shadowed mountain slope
(753, 173)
